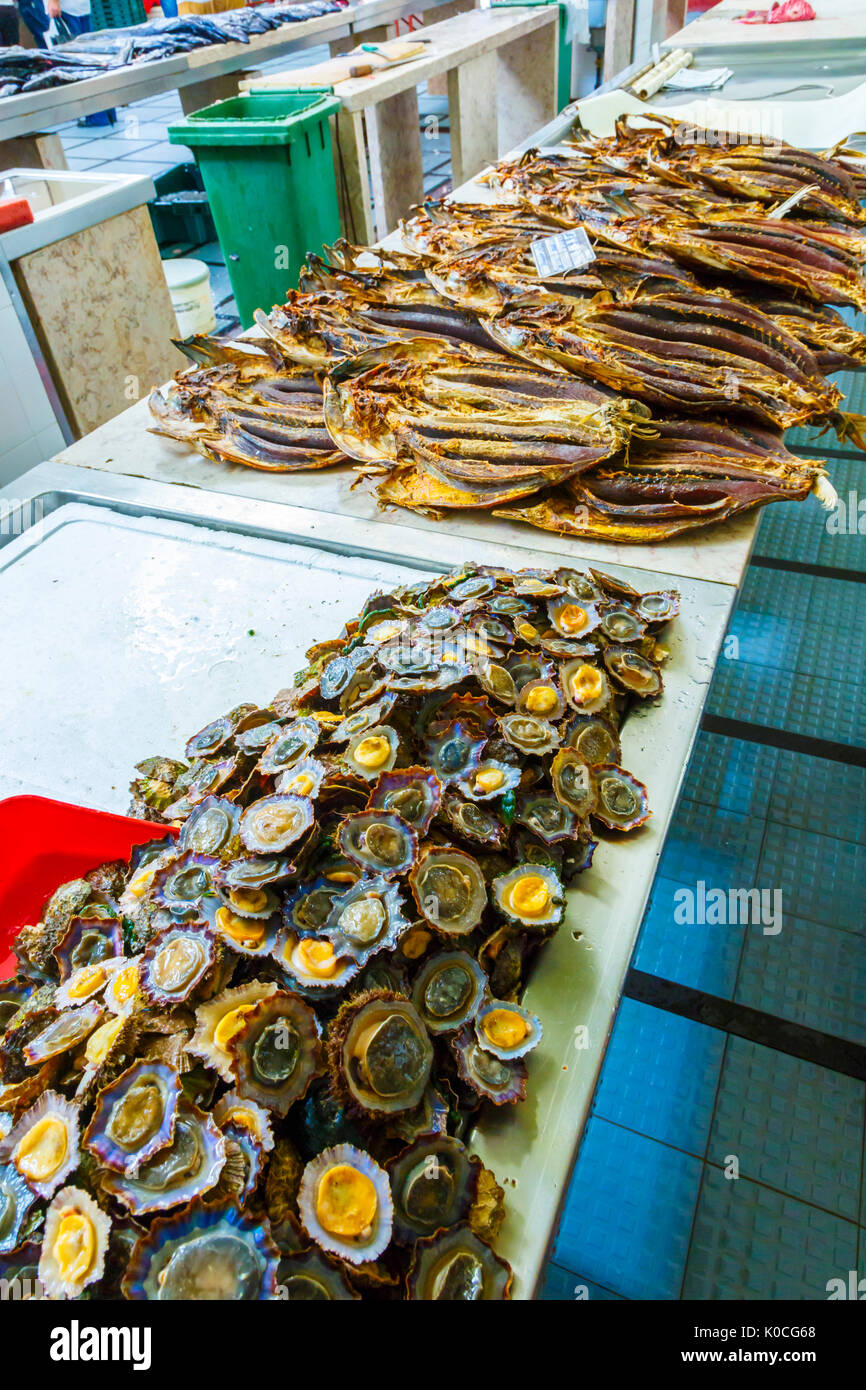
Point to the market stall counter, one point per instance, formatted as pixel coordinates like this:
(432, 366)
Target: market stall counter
(217, 578)
(208, 599)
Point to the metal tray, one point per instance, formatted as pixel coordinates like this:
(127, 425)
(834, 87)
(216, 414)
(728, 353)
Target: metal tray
(134, 612)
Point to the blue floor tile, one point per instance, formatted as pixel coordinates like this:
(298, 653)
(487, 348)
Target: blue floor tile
(659, 1076)
(791, 531)
(841, 657)
(828, 798)
(821, 878)
(730, 774)
(707, 842)
(782, 594)
(824, 707)
(754, 694)
(791, 1125)
(810, 974)
(700, 955)
(629, 1213)
(752, 1243)
(766, 639)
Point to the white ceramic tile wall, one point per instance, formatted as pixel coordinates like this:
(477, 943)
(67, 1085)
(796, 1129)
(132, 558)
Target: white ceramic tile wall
(29, 433)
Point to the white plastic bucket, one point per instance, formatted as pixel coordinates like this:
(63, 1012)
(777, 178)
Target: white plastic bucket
(189, 286)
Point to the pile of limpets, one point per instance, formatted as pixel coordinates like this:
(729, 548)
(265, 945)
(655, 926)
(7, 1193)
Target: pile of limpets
(246, 1065)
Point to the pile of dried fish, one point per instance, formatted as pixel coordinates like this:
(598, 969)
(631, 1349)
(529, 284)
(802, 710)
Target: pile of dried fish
(246, 406)
(637, 398)
(91, 55)
(246, 1065)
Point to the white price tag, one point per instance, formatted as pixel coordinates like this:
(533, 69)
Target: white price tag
(554, 255)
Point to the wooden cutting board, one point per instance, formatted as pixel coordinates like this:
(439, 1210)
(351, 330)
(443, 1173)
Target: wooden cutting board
(361, 62)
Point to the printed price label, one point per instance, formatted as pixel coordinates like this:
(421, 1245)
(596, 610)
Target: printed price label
(554, 255)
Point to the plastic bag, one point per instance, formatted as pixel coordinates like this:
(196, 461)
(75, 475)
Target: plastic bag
(58, 31)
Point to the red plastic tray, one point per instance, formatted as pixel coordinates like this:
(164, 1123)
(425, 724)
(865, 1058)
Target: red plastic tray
(14, 212)
(46, 843)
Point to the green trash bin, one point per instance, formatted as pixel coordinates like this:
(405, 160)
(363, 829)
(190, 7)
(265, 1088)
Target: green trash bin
(266, 164)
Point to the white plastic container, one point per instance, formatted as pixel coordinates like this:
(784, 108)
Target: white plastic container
(189, 286)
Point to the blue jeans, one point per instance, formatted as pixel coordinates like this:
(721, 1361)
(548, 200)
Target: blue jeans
(80, 24)
(76, 23)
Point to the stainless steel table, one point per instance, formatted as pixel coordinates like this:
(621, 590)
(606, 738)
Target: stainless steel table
(205, 600)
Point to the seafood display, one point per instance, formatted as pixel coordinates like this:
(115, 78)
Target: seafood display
(634, 399)
(25, 70)
(247, 1064)
(246, 406)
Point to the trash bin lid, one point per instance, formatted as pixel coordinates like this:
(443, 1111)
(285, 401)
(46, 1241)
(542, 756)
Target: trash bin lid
(257, 118)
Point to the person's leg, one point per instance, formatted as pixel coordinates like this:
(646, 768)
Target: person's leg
(8, 26)
(35, 19)
(76, 23)
(80, 24)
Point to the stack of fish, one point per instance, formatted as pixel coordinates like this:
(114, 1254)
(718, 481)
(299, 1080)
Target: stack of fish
(247, 1064)
(637, 397)
(91, 55)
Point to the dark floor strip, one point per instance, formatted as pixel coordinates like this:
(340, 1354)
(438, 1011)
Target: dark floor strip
(809, 1044)
(850, 753)
(819, 450)
(772, 562)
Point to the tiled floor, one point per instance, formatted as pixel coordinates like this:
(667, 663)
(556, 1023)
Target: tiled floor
(714, 1166)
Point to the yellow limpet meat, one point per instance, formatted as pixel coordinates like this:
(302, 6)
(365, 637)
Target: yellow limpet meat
(541, 700)
(346, 1201)
(527, 631)
(87, 981)
(125, 984)
(586, 684)
(248, 899)
(230, 1024)
(317, 958)
(572, 618)
(530, 896)
(415, 943)
(488, 779)
(371, 752)
(240, 929)
(74, 1246)
(505, 1028)
(99, 1044)
(142, 880)
(301, 785)
(220, 1018)
(42, 1150)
